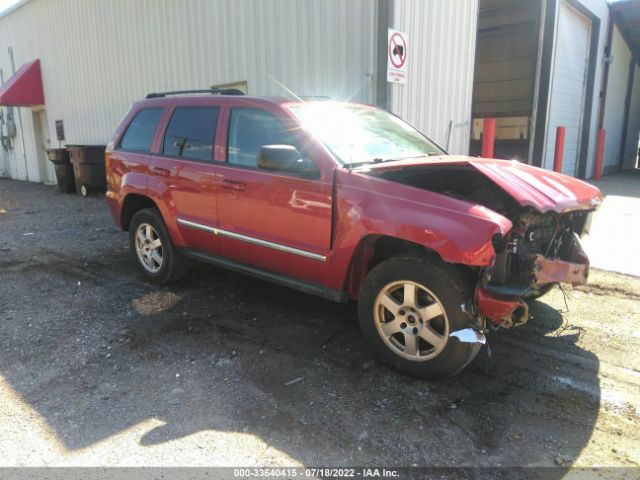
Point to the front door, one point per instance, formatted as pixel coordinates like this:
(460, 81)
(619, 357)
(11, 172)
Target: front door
(273, 220)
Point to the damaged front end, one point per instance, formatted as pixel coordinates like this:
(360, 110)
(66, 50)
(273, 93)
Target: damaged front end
(540, 250)
(549, 212)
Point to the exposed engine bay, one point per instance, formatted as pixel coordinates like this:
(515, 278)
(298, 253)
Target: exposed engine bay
(541, 249)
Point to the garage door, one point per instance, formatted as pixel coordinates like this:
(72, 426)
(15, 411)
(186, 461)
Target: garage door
(568, 85)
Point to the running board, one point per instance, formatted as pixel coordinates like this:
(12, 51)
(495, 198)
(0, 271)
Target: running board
(338, 296)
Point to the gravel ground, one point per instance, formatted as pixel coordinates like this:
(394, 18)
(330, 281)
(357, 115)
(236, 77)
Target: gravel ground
(99, 368)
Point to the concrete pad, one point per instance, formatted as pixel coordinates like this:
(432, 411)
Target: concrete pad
(614, 241)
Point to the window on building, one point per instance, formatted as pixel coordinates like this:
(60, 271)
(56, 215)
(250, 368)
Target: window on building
(191, 133)
(250, 129)
(140, 131)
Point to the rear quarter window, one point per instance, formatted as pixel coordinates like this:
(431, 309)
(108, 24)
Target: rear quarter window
(140, 132)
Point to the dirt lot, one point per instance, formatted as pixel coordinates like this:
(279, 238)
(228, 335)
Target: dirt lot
(98, 367)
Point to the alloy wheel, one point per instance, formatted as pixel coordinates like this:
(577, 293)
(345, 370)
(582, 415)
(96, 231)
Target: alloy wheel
(149, 248)
(411, 320)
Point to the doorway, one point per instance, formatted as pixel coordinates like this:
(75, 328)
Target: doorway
(46, 172)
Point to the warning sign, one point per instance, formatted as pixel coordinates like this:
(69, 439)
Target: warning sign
(397, 61)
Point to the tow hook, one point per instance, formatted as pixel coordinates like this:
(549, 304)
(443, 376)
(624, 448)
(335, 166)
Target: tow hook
(469, 335)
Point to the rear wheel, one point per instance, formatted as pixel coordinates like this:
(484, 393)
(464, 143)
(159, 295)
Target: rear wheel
(408, 307)
(152, 249)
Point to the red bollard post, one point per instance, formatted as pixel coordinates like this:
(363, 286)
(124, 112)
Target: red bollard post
(597, 173)
(488, 137)
(557, 158)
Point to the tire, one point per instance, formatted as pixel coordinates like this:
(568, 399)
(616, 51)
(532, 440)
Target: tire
(154, 255)
(542, 291)
(443, 289)
(84, 191)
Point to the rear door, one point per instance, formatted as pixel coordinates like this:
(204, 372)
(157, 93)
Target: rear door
(273, 220)
(183, 170)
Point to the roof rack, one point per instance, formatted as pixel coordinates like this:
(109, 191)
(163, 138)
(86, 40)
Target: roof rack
(212, 91)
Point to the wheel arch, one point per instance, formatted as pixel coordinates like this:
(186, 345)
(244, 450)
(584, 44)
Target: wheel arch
(373, 249)
(132, 204)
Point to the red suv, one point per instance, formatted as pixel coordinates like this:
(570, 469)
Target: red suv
(347, 202)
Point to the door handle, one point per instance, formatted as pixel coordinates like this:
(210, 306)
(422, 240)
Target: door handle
(230, 184)
(161, 172)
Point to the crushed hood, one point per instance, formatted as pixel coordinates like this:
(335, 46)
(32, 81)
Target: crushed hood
(543, 190)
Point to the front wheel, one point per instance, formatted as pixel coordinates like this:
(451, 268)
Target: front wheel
(407, 309)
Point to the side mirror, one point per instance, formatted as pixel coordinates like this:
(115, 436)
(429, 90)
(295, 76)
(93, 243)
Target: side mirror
(285, 158)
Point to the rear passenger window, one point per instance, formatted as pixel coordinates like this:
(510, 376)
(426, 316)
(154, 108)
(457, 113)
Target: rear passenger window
(140, 131)
(250, 129)
(191, 132)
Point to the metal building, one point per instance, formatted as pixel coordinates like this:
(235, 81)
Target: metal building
(533, 64)
(98, 56)
(544, 64)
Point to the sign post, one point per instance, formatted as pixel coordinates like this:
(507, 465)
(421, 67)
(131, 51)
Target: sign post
(397, 52)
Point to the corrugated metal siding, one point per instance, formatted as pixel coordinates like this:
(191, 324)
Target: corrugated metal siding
(441, 56)
(505, 58)
(99, 56)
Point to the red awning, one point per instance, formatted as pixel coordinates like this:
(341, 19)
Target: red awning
(24, 88)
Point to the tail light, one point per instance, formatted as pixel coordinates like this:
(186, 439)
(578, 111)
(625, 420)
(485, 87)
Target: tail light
(108, 167)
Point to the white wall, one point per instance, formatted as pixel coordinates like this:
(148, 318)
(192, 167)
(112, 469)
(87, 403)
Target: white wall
(99, 56)
(441, 56)
(633, 128)
(615, 101)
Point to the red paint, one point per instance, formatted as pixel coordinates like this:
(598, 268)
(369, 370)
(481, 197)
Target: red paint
(488, 137)
(597, 173)
(499, 308)
(335, 215)
(559, 152)
(530, 186)
(24, 88)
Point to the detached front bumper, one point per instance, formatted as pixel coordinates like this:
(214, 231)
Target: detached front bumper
(509, 310)
(574, 271)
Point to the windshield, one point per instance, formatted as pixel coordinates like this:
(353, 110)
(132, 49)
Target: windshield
(359, 134)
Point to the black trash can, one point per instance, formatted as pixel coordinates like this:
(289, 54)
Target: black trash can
(64, 170)
(88, 168)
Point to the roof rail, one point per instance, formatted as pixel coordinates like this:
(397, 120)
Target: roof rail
(211, 91)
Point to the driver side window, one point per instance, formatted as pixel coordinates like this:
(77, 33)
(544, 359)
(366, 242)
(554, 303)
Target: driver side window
(250, 129)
